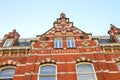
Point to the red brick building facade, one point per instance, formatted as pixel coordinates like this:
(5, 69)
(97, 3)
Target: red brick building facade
(64, 52)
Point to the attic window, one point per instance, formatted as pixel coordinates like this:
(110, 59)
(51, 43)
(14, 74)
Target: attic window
(118, 37)
(8, 42)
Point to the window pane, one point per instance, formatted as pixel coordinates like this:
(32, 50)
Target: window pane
(48, 70)
(73, 44)
(84, 68)
(7, 73)
(70, 42)
(86, 77)
(85, 72)
(119, 66)
(8, 42)
(47, 78)
(58, 42)
(118, 37)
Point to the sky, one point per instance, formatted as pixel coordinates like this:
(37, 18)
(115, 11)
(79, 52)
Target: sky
(35, 17)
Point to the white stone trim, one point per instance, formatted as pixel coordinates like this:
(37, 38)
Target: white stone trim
(19, 75)
(65, 62)
(66, 72)
(21, 64)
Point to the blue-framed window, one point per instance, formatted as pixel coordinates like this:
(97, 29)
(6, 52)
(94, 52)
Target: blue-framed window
(7, 73)
(58, 42)
(47, 72)
(70, 42)
(86, 72)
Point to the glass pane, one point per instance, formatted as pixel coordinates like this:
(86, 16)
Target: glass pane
(86, 77)
(73, 44)
(58, 42)
(118, 39)
(47, 78)
(7, 73)
(84, 68)
(8, 42)
(48, 70)
(119, 66)
(70, 42)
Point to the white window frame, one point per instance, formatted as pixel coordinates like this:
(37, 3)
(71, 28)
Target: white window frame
(6, 67)
(72, 42)
(47, 75)
(94, 73)
(58, 41)
(6, 44)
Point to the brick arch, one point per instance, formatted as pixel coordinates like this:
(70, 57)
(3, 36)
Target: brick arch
(47, 60)
(83, 59)
(9, 62)
(69, 33)
(58, 33)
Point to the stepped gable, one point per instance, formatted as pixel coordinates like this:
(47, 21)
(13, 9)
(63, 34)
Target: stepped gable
(114, 33)
(11, 35)
(63, 26)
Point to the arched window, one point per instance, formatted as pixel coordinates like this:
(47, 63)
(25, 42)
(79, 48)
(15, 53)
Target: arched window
(85, 71)
(47, 72)
(7, 73)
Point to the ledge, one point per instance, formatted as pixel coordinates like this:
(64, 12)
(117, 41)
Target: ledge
(109, 44)
(15, 47)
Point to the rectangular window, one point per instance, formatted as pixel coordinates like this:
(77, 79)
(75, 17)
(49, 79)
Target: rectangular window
(118, 37)
(8, 42)
(58, 42)
(118, 66)
(70, 42)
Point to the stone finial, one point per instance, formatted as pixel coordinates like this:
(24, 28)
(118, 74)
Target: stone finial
(62, 15)
(112, 25)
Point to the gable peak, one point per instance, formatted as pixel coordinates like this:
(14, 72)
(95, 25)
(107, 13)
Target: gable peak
(63, 22)
(62, 15)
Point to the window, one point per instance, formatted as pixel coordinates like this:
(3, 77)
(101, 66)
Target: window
(118, 66)
(70, 42)
(118, 37)
(47, 72)
(58, 42)
(7, 73)
(86, 71)
(8, 42)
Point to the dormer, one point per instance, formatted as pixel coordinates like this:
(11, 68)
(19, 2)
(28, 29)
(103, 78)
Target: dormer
(10, 39)
(114, 33)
